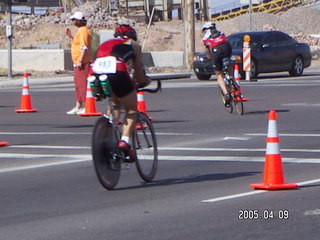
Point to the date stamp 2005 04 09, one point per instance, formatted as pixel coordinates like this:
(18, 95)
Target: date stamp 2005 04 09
(253, 214)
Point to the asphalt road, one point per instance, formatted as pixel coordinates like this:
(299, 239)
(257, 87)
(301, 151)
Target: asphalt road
(208, 159)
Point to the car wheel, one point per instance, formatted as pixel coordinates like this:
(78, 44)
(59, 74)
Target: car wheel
(297, 67)
(203, 76)
(254, 69)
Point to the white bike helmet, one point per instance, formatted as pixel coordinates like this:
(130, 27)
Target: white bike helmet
(209, 25)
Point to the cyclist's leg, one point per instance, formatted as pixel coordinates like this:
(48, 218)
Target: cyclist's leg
(217, 56)
(125, 94)
(220, 80)
(129, 103)
(116, 108)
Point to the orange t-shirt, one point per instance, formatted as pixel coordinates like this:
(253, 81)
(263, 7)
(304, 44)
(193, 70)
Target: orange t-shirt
(82, 40)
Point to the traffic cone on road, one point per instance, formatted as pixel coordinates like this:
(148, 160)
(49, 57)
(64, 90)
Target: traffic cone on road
(237, 79)
(25, 98)
(3, 144)
(273, 170)
(141, 103)
(90, 109)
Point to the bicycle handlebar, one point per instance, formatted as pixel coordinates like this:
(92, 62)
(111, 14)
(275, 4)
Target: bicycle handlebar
(157, 89)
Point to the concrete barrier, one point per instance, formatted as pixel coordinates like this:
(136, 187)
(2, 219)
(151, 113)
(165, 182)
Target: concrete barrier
(37, 59)
(60, 59)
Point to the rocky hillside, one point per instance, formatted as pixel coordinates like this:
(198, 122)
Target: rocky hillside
(31, 31)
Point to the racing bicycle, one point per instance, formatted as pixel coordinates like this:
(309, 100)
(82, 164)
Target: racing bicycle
(233, 89)
(108, 159)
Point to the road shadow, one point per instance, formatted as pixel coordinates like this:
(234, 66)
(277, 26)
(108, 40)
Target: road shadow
(75, 126)
(191, 179)
(170, 121)
(265, 112)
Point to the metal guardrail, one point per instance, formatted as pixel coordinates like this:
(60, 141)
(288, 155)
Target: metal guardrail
(268, 6)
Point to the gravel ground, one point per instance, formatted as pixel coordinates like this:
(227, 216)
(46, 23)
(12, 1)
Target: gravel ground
(30, 31)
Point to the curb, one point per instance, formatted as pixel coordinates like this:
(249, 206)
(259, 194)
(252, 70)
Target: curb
(17, 82)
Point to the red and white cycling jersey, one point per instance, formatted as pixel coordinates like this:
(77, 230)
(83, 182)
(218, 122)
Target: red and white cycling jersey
(213, 42)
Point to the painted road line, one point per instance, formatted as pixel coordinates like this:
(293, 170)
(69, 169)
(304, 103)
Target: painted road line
(235, 159)
(50, 147)
(301, 104)
(45, 133)
(211, 200)
(285, 134)
(72, 158)
(51, 164)
(170, 148)
(82, 133)
(36, 156)
(234, 149)
(237, 138)
(239, 195)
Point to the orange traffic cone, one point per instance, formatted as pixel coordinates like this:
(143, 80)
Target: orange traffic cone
(273, 170)
(90, 109)
(142, 106)
(141, 103)
(237, 79)
(25, 98)
(3, 144)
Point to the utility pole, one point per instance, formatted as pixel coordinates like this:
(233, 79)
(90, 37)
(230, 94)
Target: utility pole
(9, 35)
(189, 33)
(250, 15)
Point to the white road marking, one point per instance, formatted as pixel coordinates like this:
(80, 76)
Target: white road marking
(169, 148)
(76, 158)
(83, 133)
(237, 138)
(45, 133)
(312, 212)
(301, 104)
(286, 134)
(239, 195)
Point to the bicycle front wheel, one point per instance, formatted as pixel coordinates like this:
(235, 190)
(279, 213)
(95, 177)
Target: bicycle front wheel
(106, 160)
(238, 104)
(230, 107)
(145, 146)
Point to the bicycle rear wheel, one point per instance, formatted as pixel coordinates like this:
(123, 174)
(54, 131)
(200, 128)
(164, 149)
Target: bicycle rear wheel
(230, 107)
(106, 160)
(145, 146)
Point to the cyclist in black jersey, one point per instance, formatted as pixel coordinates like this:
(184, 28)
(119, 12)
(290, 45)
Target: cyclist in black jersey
(217, 47)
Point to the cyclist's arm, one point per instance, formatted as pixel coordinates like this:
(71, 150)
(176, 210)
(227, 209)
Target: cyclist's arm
(139, 73)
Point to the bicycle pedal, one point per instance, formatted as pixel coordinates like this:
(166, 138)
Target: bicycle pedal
(126, 166)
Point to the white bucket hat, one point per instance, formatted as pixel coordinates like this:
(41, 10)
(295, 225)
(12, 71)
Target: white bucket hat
(78, 16)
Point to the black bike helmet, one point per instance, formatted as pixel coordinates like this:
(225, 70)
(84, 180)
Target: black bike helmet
(125, 30)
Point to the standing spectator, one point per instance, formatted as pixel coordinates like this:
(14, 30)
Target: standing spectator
(81, 56)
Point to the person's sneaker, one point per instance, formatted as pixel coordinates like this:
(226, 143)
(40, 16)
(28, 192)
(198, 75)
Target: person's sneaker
(126, 148)
(81, 111)
(73, 111)
(227, 99)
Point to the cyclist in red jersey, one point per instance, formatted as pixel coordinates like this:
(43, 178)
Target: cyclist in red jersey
(217, 47)
(124, 48)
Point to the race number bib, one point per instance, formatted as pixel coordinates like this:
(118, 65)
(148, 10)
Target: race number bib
(105, 65)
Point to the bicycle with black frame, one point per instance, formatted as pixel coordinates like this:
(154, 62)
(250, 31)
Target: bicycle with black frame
(233, 89)
(108, 159)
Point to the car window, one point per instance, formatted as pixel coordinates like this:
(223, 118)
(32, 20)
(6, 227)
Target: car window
(237, 41)
(282, 39)
(268, 40)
